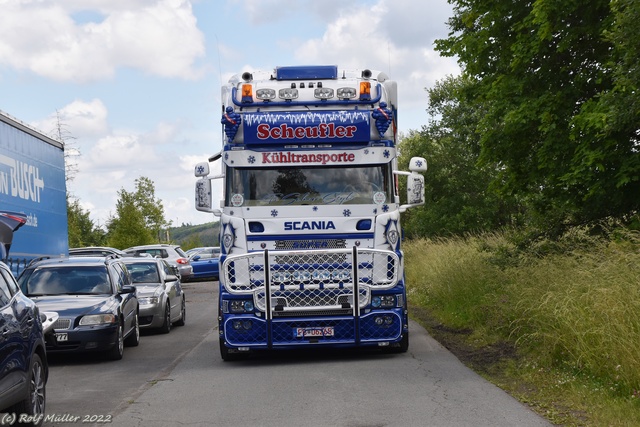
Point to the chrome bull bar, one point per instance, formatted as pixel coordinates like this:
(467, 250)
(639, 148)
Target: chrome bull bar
(310, 282)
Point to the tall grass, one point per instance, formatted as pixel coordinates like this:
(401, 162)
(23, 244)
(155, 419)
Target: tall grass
(572, 305)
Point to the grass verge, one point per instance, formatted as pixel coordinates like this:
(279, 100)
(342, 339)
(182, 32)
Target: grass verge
(557, 325)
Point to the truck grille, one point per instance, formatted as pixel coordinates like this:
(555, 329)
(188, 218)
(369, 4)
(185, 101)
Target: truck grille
(310, 281)
(311, 244)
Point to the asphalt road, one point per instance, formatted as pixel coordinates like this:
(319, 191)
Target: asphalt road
(179, 379)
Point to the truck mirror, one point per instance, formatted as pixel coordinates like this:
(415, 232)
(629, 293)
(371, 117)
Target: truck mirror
(415, 189)
(202, 169)
(418, 164)
(203, 194)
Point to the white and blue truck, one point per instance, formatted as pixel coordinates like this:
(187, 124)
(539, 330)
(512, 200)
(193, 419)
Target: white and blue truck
(32, 194)
(310, 217)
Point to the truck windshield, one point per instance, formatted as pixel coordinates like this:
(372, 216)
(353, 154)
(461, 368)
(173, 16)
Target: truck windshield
(369, 184)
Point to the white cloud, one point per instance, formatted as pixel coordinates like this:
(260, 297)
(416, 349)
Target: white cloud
(386, 36)
(77, 120)
(158, 37)
(80, 54)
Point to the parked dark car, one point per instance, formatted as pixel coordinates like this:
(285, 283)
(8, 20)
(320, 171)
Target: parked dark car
(205, 263)
(23, 360)
(160, 294)
(94, 298)
(173, 254)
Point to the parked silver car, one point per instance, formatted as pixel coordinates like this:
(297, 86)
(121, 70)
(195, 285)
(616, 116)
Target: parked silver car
(160, 294)
(173, 254)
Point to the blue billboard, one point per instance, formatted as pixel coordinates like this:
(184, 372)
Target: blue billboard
(32, 182)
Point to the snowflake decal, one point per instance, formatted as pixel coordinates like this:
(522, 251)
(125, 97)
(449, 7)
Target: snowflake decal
(251, 159)
(315, 209)
(274, 213)
(419, 163)
(385, 208)
(200, 169)
(346, 212)
(386, 154)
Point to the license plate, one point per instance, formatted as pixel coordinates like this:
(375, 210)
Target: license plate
(312, 332)
(61, 337)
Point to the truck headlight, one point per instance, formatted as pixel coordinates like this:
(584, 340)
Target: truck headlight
(238, 306)
(383, 301)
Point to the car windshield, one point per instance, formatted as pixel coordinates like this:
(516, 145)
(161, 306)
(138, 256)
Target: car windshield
(309, 186)
(63, 280)
(144, 272)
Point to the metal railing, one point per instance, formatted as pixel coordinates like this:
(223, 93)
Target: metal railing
(16, 265)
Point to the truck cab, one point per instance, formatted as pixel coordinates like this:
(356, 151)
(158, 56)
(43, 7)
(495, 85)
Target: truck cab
(310, 220)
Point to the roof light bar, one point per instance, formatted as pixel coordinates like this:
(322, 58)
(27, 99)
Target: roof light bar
(346, 93)
(288, 94)
(266, 94)
(323, 93)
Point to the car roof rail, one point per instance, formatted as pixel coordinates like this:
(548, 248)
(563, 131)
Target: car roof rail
(38, 259)
(110, 257)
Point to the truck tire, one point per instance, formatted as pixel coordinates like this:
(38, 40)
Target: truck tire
(402, 346)
(229, 355)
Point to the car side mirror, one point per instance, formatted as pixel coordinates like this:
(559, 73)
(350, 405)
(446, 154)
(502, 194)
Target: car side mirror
(128, 289)
(196, 258)
(171, 278)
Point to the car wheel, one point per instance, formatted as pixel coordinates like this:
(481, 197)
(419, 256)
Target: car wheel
(183, 315)
(134, 337)
(35, 403)
(117, 351)
(166, 326)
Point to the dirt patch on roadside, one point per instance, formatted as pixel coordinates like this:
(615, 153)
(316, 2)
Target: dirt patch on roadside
(485, 359)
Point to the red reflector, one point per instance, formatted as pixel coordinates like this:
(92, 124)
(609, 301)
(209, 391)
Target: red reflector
(182, 261)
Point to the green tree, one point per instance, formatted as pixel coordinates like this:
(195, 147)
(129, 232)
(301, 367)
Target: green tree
(151, 208)
(544, 72)
(82, 230)
(128, 226)
(457, 188)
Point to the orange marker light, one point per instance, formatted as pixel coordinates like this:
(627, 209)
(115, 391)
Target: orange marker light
(365, 91)
(247, 93)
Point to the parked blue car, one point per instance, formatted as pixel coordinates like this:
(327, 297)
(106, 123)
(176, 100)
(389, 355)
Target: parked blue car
(94, 298)
(23, 359)
(205, 263)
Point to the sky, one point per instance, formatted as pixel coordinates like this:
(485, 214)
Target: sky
(133, 86)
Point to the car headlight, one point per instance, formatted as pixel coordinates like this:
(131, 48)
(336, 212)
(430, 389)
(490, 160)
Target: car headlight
(98, 319)
(148, 300)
